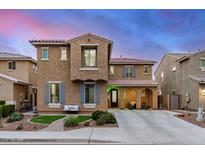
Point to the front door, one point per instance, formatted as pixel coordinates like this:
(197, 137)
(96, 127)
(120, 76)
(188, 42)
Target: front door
(114, 98)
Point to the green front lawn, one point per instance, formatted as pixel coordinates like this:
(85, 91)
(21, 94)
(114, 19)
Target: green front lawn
(46, 119)
(82, 118)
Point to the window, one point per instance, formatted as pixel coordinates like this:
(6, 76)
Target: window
(202, 64)
(162, 77)
(63, 54)
(44, 53)
(145, 69)
(11, 65)
(89, 57)
(174, 68)
(54, 93)
(112, 70)
(129, 71)
(89, 93)
(34, 68)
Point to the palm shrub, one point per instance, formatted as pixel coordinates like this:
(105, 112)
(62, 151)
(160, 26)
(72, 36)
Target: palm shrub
(16, 116)
(71, 121)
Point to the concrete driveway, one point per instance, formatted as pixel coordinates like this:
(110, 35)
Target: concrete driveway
(157, 127)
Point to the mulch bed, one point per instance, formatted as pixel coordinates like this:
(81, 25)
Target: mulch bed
(191, 117)
(92, 123)
(26, 125)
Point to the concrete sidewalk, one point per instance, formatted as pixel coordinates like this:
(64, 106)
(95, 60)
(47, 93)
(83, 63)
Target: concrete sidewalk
(78, 136)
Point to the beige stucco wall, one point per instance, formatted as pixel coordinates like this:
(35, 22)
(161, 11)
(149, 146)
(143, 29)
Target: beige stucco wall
(21, 71)
(6, 90)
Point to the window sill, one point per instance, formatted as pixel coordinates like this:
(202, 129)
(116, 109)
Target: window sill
(54, 105)
(89, 69)
(89, 106)
(202, 68)
(63, 59)
(44, 59)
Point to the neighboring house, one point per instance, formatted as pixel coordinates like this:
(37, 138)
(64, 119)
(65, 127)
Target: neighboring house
(18, 80)
(183, 74)
(77, 72)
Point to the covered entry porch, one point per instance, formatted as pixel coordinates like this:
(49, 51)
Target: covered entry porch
(142, 94)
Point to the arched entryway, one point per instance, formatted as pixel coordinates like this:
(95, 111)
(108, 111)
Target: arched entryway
(146, 98)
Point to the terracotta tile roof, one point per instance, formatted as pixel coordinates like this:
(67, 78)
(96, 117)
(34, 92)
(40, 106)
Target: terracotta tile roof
(199, 78)
(66, 41)
(13, 79)
(131, 61)
(12, 56)
(136, 83)
(48, 41)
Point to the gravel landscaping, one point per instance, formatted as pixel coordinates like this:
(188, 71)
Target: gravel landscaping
(191, 117)
(22, 125)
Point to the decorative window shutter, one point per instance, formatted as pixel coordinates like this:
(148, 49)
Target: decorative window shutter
(82, 93)
(134, 71)
(97, 94)
(123, 71)
(62, 93)
(47, 93)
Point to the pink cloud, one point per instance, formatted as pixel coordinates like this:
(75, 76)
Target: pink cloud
(16, 22)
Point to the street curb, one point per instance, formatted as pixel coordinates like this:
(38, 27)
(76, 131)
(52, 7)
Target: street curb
(21, 140)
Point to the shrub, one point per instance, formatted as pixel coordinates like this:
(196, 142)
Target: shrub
(7, 110)
(71, 121)
(16, 116)
(102, 119)
(96, 114)
(0, 111)
(111, 119)
(2, 102)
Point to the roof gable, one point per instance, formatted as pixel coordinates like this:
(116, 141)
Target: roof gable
(12, 56)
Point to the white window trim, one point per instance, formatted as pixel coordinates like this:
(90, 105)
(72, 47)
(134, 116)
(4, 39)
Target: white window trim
(89, 44)
(132, 71)
(113, 69)
(54, 105)
(86, 105)
(147, 69)
(8, 65)
(89, 69)
(63, 48)
(44, 59)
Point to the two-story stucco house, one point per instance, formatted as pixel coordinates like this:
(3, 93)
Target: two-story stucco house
(183, 74)
(80, 71)
(18, 80)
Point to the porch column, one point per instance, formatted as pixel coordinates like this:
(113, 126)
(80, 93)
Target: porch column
(154, 98)
(138, 93)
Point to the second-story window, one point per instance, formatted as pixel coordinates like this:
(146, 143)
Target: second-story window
(44, 53)
(112, 70)
(202, 64)
(89, 57)
(129, 71)
(145, 69)
(63, 54)
(11, 65)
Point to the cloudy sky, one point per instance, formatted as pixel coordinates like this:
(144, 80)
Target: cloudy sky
(145, 34)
